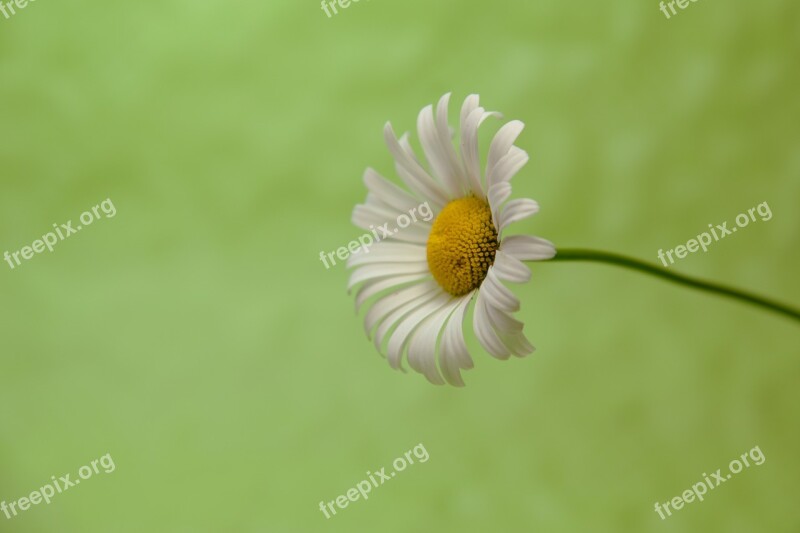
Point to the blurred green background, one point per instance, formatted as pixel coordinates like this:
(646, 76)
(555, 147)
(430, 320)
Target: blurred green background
(198, 339)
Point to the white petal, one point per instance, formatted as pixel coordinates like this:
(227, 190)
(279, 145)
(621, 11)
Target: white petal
(471, 103)
(406, 145)
(518, 344)
(422, 348)
(453, 352)
(388, 192)
(401, 335)
(446, 141)
(509, 268)
(508, 165)
(498, 193)
(372, 218)
(373, 287)
(506, 329)
(470, 149)
(400, 313)
(501, 144)
(372, 212)
(502, 321)
(379, 214)
(497, 294)
(517, 210)
(380, 270)
(528, 248)
(387, 252)
(484, 330)
(413, 175)
(436, 153)
(380, 309)
(374, 200)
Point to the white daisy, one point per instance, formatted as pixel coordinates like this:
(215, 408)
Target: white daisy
(433, 269)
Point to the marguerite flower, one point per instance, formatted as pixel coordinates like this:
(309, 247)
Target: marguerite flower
(433, 269)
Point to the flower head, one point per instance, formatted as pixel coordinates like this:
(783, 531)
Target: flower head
(433, 268)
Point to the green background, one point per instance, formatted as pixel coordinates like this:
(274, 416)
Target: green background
(198, 339)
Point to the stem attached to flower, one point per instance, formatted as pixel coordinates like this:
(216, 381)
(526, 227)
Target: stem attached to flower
(628, 262)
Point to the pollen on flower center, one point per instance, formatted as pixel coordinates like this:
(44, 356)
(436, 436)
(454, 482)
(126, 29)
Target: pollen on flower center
(462, 245)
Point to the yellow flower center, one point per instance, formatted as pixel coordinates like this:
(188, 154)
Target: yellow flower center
(462, 245)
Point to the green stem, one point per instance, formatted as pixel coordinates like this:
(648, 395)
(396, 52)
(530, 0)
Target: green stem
(635, 264)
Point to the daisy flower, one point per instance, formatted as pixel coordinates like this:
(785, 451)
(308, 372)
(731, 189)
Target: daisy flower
(427, 274)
